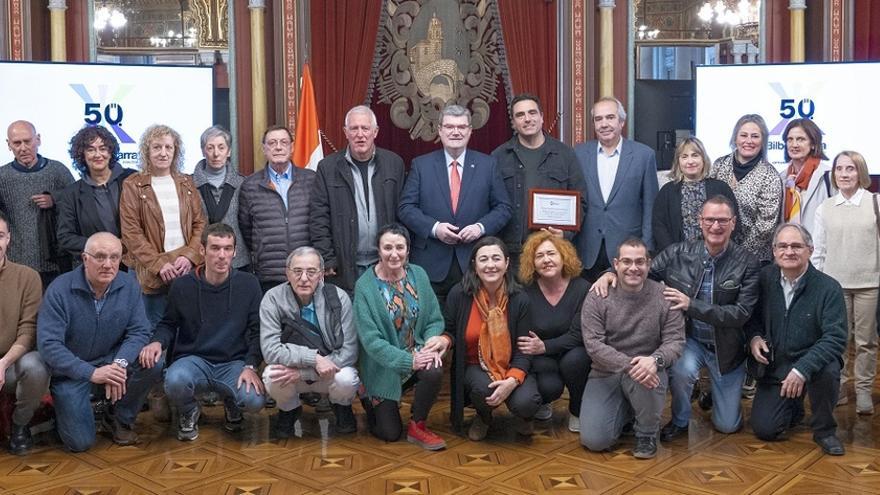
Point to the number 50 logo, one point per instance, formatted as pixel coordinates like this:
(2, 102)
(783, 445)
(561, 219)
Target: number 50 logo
(804, 108)
(110, 114)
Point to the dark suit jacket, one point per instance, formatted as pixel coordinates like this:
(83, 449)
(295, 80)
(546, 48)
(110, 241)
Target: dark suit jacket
(628, 210)
(425, 200)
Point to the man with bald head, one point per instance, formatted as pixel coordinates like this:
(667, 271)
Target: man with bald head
(28, 185)
(90, 329)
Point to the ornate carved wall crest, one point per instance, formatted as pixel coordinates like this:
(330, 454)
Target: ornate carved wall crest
(432, 52)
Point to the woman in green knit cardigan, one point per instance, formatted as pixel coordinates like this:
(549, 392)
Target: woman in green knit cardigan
(399, 329)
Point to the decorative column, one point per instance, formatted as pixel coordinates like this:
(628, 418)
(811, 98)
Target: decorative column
(797, 8)
(606, 48)
(258, 78)
(58, 29)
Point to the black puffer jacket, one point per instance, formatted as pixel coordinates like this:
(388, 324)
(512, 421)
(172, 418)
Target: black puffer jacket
(734, 293)
(270, 231)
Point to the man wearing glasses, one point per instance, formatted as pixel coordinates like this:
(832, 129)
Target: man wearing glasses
(715, 282)
(631, 336)
(90, 329)
(273, 210)
(799, 335)
(452, 197)
(310, 343)
(212, 327)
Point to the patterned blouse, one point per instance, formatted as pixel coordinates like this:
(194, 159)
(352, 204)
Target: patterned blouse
(402, 303)
(693, 195)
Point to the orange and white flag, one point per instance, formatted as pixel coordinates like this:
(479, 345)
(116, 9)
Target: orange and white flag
(307, 149)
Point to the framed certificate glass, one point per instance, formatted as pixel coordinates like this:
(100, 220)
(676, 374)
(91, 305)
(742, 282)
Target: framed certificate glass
(555, 208)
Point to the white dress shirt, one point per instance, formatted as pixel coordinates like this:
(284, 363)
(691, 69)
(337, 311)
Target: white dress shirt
(606, 167)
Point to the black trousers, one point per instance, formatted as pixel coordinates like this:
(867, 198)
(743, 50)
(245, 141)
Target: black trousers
(568, 370)
(384, 419)
(523, 402)
(602, 263)
(443, 287)
(772, 414)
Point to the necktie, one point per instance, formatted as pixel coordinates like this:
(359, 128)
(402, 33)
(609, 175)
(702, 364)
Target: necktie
(454, 185)
(308, 314)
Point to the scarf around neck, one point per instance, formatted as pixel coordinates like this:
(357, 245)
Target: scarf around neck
(797, 183)
(494, 343)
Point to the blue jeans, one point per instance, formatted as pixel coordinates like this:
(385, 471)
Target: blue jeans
(191, 375)
(74, 418)
(726, 388)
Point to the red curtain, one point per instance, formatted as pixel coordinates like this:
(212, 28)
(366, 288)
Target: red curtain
(343, 41)
(866, 39)
(530, 42)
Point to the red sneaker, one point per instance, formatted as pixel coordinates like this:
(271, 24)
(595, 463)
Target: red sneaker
(419, 435)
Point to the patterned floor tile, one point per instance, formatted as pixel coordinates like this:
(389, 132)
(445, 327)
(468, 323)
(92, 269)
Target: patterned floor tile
(328, 466)
(860, 467)
(803, 484)
(476, 461)
(409, 481)
(181, 467)
(555, 476)
(771, 455)
(620, 459)
(254, 482)
(101, 483)
(40, 468)
(705, 473)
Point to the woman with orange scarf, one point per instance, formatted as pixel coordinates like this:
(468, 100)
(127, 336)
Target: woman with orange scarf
(485, 315)
(806, 176)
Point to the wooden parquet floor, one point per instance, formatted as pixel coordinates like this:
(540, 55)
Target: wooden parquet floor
(318, 461)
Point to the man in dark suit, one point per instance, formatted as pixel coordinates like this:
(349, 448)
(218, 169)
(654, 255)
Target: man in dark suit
(621, 178)
(451, 198)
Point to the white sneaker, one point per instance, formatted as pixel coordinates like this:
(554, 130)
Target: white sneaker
(544, 412)
(574, 423)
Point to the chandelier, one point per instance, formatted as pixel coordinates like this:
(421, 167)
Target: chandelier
(644, 33)
(109, 17)
(741, 17)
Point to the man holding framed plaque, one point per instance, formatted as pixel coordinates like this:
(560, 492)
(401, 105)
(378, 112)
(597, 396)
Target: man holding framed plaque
(621, 178)
(533, 160)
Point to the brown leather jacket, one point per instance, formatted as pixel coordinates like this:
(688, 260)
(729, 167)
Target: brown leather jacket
(143, 229)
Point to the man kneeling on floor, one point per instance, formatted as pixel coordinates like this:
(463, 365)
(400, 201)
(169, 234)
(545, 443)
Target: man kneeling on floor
(89, 330)
(309, 342)
(212, 324)
(632, 336)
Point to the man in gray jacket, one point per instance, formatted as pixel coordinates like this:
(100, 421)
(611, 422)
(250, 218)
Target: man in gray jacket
(309, 343)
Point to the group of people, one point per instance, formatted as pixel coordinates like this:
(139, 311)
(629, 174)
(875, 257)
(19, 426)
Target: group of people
(362, 280)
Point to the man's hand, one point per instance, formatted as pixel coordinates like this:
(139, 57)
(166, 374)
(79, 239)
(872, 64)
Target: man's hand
(792, 386)
(43, 201)
(470, 233)
(249, 378)
(447, 233)
(678, 298)
(113, 377)
(167, 273)
(759, 348)
(182, 265)
(437, 343)
(503, 389)
(283, 375)
(556, 232)
(600, 287)
(644, 371)
(325, 367)
(425, 360)
(150, 354)
(329, 272)
(531, 345)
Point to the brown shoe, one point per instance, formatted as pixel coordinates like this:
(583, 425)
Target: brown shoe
(122, 434)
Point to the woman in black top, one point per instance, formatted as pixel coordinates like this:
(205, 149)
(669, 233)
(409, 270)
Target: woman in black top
(91, 204)
(678, 204)
(550, 268)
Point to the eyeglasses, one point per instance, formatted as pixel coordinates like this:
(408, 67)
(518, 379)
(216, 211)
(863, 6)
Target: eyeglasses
(309, 272)
(459, 128)
(628, 262)
(795, 246)
(276, 142)
(709, 221)
(102, 258)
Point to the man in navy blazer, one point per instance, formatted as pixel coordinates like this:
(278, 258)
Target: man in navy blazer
(443, 233)
(621, 177)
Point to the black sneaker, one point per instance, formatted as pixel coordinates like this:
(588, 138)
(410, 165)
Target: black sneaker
(646, 447)
(20, 441)
(285, 422)
(345, 420)
(188, 425)
(232, 418)
(672, 431)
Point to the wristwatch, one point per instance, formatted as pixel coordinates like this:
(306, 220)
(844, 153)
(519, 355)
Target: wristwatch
(250, 367)
(659, 361)
(123, 363)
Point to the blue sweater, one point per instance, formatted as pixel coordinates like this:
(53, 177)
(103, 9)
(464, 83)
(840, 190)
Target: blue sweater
(218, 323)
(74, 338)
